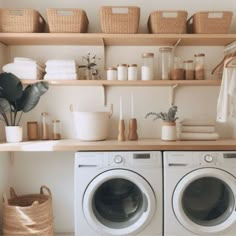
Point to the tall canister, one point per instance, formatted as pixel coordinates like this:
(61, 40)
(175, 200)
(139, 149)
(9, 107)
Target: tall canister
(165, 62)
(147, 69)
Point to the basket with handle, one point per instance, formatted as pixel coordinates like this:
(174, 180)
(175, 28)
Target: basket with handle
(29, 214)
(21, 21)
(167, 22)
(210, 22)
(67, 20)
(119, 20)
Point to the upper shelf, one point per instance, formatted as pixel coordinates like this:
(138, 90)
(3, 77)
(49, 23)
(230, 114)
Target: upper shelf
(116, 39)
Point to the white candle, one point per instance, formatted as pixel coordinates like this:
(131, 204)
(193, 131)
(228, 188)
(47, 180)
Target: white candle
(132, 105)
(121, 109)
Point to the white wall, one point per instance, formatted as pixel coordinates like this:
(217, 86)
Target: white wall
(30, 170)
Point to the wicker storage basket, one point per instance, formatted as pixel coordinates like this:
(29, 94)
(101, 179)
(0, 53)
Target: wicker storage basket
(21, 21)
(167, 22)
(215, 22)
(119, 20)
(28, 214)
(67, 20)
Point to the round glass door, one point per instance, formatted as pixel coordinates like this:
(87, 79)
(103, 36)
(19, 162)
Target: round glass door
(204, 201)
(119, 202)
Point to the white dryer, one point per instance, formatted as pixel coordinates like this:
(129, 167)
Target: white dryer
(199, 193)
(118, 193)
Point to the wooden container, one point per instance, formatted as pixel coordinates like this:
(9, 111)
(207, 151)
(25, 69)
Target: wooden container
(67, 20)
(21, 21)
(29, 215)
(119, 20)
(167, 22)
(210, 22)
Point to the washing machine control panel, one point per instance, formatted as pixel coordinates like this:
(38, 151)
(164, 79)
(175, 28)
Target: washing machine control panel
(208, 158)
(118, 159)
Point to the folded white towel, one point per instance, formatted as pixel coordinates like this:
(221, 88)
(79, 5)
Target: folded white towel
(28, 61)
(61, 62)
(13, 67)
(198, 136)
(28, 75)
(197, 122)
(61, 69)
(72, 76)
(198, 129)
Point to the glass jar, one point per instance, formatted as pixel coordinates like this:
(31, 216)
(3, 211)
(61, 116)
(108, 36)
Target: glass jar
(199, 66)
(56, 129)
(44, 126)
(166, 62)
(133, 72)
(188, 70)
(177, 73)
(111, 73)
(122, 72)
(147, 70)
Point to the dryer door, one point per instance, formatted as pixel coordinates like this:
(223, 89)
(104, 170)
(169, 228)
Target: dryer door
(119, 202)
(204, 201)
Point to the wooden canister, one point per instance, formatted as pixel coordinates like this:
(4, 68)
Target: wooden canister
(32, 130)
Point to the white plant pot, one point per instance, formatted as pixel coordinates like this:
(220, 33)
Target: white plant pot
(168, 131)
(14, 134)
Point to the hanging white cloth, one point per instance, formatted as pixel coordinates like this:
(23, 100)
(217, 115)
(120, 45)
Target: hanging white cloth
(227, 97)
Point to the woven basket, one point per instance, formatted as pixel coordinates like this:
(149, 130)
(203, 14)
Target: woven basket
(21, 21)
(119, 20)
(66, 20)
(28, 215)
(215, 22)
(167, 22)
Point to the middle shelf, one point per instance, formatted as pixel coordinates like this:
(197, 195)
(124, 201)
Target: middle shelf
(209, 82)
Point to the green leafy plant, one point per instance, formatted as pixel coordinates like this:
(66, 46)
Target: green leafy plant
(15, 99)
(169, 116)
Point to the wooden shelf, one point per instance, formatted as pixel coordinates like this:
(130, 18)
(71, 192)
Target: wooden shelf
(142, 83)
(114, 145)
(116, 39)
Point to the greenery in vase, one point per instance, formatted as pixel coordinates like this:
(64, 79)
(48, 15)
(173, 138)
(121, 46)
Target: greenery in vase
(16, 100)
(169, 116)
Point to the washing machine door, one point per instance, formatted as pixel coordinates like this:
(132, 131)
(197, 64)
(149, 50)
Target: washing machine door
(204, 201)
(118, 202)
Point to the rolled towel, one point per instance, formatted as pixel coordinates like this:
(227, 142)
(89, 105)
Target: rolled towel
(197, 122)
(198, 129)
(28, 75)
(28, 61)
(13, 67)
(60, 63)
(61, 69)
(198, 136)
(72, 76)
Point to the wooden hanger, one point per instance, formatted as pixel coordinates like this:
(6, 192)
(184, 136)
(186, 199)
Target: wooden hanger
(227, 65)
(221, 64)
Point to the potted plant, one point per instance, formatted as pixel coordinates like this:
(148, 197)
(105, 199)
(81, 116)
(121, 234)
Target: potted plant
(168, 131)
(91, 72)
(16, 100)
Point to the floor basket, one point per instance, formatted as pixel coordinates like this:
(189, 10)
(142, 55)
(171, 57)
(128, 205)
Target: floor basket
(67, 20)
(119, 20)
(215, 22)
(167, 22)
(28, 215)
(21, 21)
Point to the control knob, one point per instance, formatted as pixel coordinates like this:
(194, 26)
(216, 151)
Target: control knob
(208, 158)
(118, 159)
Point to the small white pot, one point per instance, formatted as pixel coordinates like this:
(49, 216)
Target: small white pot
(168, 131)
(14, 134)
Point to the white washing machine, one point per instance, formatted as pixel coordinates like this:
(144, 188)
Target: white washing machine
(199, 193)
(118, 193)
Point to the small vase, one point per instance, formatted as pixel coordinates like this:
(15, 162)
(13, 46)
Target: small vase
(88, 74)
(168, 131)
(14, 134)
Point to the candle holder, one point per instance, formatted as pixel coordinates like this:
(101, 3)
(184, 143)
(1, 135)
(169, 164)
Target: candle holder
(133, 135)
(121, 130)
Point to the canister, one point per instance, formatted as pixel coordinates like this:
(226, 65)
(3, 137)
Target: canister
(147, 70)
(32, 130)
(199, 66)
(188, 70)
(111, 73)
(132, 72)
(166, 62)
(122, 72)
(56, 129)
(45, 126)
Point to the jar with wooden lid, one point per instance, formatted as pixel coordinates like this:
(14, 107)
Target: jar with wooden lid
(188, 70)
(132, 72)
(199, 66)
(111, 73)
(122, 72)
(177, 72)
(147, 70)
(166, 62)
(45, 126)
(56, 129)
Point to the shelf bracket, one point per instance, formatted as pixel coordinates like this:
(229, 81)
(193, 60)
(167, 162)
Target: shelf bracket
(172, 93)
(104, 93)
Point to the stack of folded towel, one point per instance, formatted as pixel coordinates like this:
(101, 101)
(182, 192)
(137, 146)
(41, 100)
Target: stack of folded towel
(61, 70)
(25, 68)
(198, 130)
